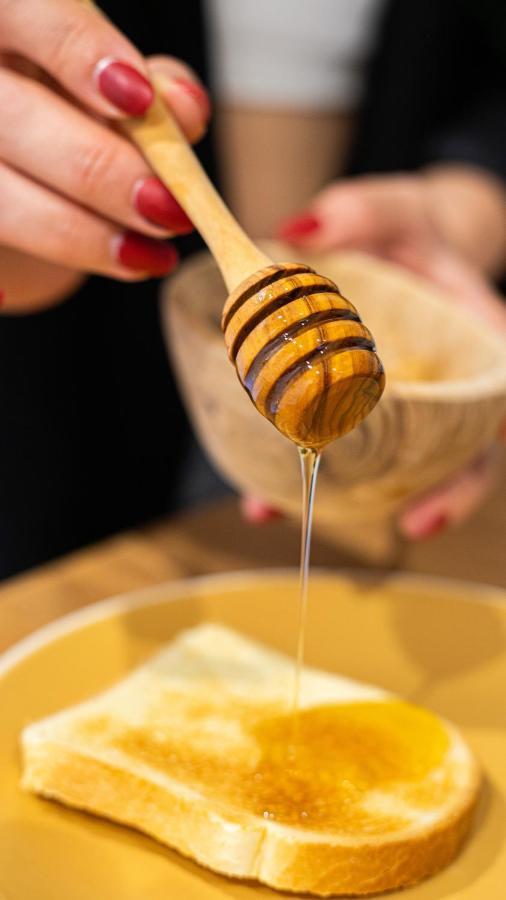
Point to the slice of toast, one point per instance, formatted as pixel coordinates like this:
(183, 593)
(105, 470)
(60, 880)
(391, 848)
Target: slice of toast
(358, 793)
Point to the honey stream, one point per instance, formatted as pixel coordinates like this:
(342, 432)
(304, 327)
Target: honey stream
(310, 461)
(309, 767)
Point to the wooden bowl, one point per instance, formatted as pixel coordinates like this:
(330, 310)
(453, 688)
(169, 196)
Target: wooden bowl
(444, 400)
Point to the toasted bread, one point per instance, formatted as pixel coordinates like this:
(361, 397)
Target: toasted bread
(358, 793)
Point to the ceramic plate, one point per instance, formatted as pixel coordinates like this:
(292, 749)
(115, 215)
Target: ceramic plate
(439, 643)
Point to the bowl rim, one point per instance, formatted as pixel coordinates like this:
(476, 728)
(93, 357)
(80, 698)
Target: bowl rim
(487, 384)
(172, 590)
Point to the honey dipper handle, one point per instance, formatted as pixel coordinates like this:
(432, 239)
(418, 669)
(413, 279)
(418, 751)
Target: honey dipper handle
(159, 137)
(161, 141)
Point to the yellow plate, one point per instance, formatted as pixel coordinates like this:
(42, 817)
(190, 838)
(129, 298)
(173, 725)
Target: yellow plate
(436, 642)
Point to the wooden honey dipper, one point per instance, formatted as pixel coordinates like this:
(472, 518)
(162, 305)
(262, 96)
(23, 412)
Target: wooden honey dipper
(299, 347)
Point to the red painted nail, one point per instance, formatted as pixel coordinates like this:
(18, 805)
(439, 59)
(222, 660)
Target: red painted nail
(124, 87)
(434, 526)
(197, 93)
(267, 515)
(2, 297)
(299, 227)
(144, 254)
(256, 512)
(156, 203)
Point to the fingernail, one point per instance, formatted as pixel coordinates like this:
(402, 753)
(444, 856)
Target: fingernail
(2, 297)
(157, 205)
(300, 226)
(124, 86)
(144, 254)
(267, 515)
(256, 512)
(197, 93)
(432, 527)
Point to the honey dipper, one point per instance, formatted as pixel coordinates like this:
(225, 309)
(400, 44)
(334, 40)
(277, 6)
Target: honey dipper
(299, 347)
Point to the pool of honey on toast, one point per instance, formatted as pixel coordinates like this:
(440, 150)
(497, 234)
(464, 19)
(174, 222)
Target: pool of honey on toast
(321, 772)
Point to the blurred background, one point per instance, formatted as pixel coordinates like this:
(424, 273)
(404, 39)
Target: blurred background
(378, 125)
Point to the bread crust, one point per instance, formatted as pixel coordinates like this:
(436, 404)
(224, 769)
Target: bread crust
(245, 846)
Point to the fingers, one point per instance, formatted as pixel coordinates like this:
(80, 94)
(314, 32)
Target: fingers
(84, 52)
(41, 223)
(363, 212)
(183, 93)
(88, 163)
(257, 512)
(97, 64)
(453, 501)
(389, 216)
(458, 278)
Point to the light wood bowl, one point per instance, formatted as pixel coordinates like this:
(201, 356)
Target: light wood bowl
(444, 400)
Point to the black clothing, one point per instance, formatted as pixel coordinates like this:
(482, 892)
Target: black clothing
(92, 431)
(436, 88)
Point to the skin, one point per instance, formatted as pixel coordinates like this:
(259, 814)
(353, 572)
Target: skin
(447, 223)
(66, 202)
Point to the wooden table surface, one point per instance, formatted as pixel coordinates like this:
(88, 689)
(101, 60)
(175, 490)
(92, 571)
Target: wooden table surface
(215, 539)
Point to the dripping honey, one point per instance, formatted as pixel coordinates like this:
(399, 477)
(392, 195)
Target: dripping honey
(343, 752)
(310, 460)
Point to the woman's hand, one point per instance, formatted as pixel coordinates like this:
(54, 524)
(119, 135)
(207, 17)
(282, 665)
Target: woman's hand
(77, 197)
(449, 225)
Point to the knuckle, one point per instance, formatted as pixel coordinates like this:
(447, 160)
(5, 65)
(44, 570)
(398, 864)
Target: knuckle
(68, 41)
(94, 164)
